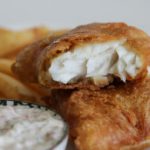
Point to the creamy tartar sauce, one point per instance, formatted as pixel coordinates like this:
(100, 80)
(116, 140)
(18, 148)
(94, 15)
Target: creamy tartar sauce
(23, 128)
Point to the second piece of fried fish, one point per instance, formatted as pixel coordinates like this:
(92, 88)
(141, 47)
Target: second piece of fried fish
(89, 56)
(113, 118)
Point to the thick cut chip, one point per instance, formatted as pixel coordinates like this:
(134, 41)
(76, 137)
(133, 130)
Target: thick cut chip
(12, 41)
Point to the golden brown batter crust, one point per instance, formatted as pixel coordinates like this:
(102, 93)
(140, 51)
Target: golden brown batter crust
(113, 118)
(32, 64)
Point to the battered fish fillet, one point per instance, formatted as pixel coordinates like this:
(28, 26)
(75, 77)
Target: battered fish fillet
(89, 56)
(113, 118)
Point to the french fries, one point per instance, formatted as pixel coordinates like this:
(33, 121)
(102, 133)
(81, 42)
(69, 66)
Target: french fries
(11, 42)
(5, 66)
(12, 88)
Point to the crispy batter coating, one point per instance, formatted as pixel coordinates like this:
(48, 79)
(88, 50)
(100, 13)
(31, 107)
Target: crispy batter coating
(113, 118)
(33, 62)
(30, 60)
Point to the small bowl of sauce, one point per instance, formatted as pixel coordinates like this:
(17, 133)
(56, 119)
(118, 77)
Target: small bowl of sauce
(26, 126)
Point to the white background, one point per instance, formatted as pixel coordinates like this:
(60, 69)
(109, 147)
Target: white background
(70, 13)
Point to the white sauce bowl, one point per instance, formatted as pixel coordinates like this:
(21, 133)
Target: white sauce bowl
(19, 110)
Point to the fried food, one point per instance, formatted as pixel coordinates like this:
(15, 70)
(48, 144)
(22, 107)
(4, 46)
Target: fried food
(12, 88)
(113, 118)
(12, 41)
(89, 56)
(5, 66)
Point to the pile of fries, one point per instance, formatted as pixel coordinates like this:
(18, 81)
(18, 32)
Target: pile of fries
(11, 43)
